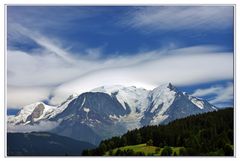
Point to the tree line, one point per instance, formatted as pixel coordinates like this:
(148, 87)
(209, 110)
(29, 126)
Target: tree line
(203, 134)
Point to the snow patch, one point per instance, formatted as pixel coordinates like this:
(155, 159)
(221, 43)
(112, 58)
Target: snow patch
(83, 101)
(214, 108)
(162, 97)
(114, 117)
(131, 121)
(158, 119)
(63, 106)
(86, 109)
(135, 98)
(198, 103)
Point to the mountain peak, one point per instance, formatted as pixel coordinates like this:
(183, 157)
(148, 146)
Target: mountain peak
(165, 86)
(105, 88)
(70, 97)
(114, 89)
(36, 111)
(170, 86)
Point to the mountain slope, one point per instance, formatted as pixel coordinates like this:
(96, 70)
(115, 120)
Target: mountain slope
(88, 117)
(43, 144)
(111, 111)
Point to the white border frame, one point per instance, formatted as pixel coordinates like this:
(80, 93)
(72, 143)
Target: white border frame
(3, 78)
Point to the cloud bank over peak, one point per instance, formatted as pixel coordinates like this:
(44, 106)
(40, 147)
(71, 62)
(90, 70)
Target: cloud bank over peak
(180, 69)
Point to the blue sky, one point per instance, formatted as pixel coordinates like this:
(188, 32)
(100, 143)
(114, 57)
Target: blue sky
(103, 27)
(56, 51)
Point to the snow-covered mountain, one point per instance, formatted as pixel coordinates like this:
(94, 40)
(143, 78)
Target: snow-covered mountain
(112, 110)
(38, 111)
(31, 113)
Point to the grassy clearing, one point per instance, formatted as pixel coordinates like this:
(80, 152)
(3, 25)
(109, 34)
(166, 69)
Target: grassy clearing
(148, 150)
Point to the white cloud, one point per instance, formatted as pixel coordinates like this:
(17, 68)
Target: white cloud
(43, 41)
(221, 93)
(31, 76)
(54, 65)
(181, 18)
(183, 69)
(34, 76)
(21, 96)
(207, 91)
(42, 126)
(224, 95)
(145, 70)
(37, 70)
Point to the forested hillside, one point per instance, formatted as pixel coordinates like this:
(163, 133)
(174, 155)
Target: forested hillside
(204, 134)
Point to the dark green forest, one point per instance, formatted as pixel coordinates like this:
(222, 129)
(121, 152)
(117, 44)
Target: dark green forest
(208, 134)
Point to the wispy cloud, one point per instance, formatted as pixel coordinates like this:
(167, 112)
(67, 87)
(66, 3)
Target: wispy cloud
(181, 18)
(42, 41)
(207, 91)
(222, 93)
(54, 65)
(57, 68)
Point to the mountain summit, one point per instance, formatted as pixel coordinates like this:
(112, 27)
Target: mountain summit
(113, 110)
